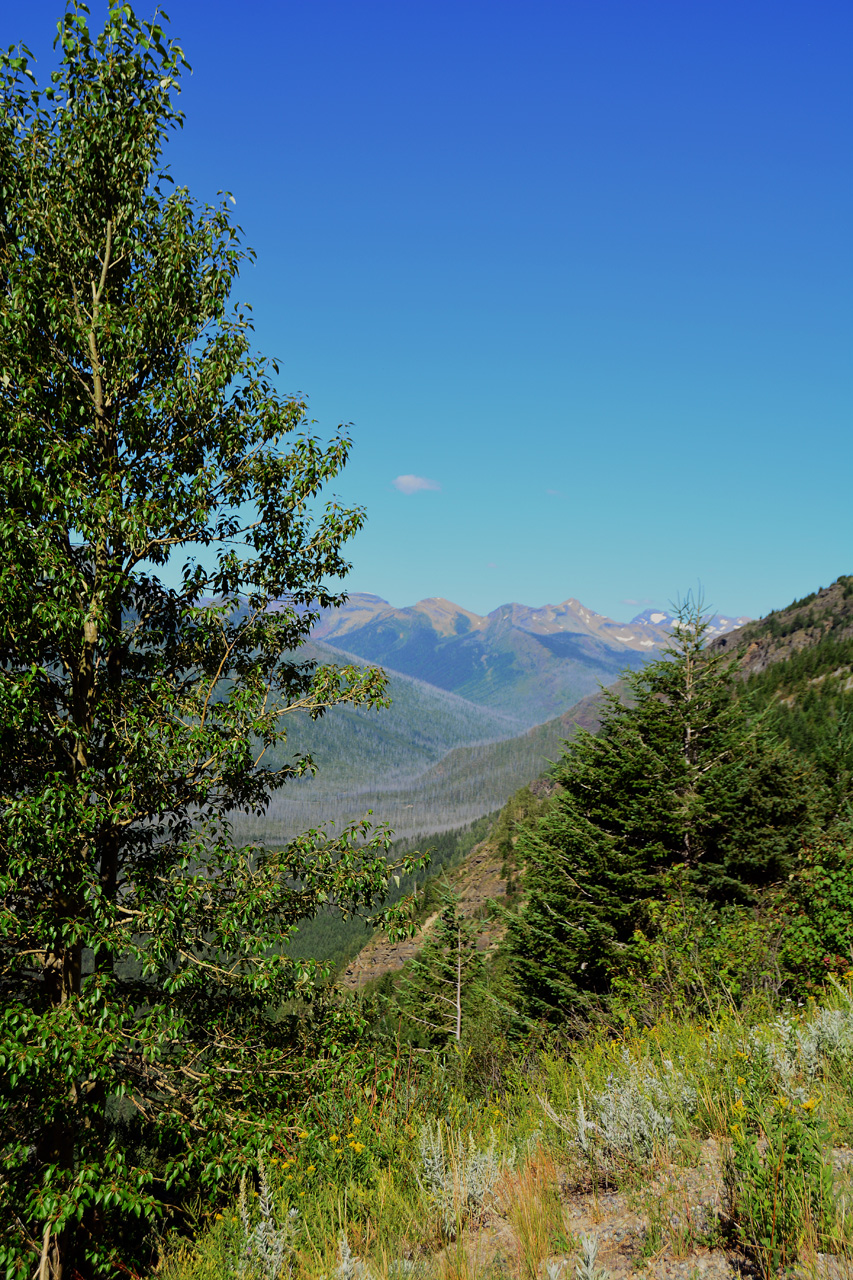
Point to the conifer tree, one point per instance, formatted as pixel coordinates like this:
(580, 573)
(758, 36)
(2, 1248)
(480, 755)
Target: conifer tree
(440, 983)
(677, 775)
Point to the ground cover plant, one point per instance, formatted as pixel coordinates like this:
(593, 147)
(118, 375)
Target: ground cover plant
(428, 1180)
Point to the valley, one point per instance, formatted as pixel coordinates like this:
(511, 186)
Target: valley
(479, 707)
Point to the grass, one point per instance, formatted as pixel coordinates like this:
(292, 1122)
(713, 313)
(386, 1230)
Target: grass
(427, 1181)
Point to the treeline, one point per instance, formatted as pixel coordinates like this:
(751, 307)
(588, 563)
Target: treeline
(807, 701)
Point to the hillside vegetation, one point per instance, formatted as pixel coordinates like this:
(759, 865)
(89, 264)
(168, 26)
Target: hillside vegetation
(639, 1059)
(463, 784)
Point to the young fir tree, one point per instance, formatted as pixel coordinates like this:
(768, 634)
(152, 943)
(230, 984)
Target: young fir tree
(676, 776)
(142, 952)
(440, 983)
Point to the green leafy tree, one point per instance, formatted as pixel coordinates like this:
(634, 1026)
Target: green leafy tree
(143, 965)
(677, 777)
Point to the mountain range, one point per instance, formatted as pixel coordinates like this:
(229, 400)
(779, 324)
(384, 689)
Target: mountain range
(479, 705)
(528, 663)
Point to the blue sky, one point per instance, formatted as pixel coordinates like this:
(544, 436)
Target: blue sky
(584, 267)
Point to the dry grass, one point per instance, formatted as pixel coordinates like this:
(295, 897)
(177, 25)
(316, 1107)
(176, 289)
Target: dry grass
(494, 1205)
(529, 1197)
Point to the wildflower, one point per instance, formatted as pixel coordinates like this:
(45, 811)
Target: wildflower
(312, 1168)
(809, 1104)
(737, 1132)
(350, 1135)
(782, 1102)
(357, 1147)
(219, 1217)
(356, 1120)
(289, 1178)
(741, 1081)
(333, 1137)
(304, 1134)
(739, 1105)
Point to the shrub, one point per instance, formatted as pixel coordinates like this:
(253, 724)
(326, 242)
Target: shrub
(818, 938)
(458, 1176)
(779, 1186)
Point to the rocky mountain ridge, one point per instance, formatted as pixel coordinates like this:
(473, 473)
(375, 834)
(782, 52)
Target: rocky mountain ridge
(528, 663)
(784, 632)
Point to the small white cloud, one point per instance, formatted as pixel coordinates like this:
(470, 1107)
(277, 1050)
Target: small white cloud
(411, 484)
(554, 493)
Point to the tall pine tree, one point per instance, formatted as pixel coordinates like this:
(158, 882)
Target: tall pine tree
(677, 775)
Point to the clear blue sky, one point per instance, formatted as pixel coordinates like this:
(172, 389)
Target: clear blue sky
(588, 267)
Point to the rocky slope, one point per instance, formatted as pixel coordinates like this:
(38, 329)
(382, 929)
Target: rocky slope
(785, 632)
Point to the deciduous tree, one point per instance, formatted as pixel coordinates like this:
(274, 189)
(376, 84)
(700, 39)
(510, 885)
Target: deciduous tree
(164, 543)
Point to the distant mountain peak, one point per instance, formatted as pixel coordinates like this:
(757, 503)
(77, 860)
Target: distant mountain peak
(448, 618)
(665, 620)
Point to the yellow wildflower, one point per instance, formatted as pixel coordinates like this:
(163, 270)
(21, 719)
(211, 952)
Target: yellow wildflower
(356, 1120)
(312, 1168)
(357, 1147)
(739, 1105)
(809, 1104)
(289, 1178)
(781, 1102)
(333, 1137)
(350, 1135)
(737, 1132)
(304, 1133)
(219, 1217)
(741, 1081)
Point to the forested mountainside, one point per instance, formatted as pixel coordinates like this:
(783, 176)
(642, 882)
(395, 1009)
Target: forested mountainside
(532, 664)
(796, 665)
(437, 760)
(466, 783)
(794, 672)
